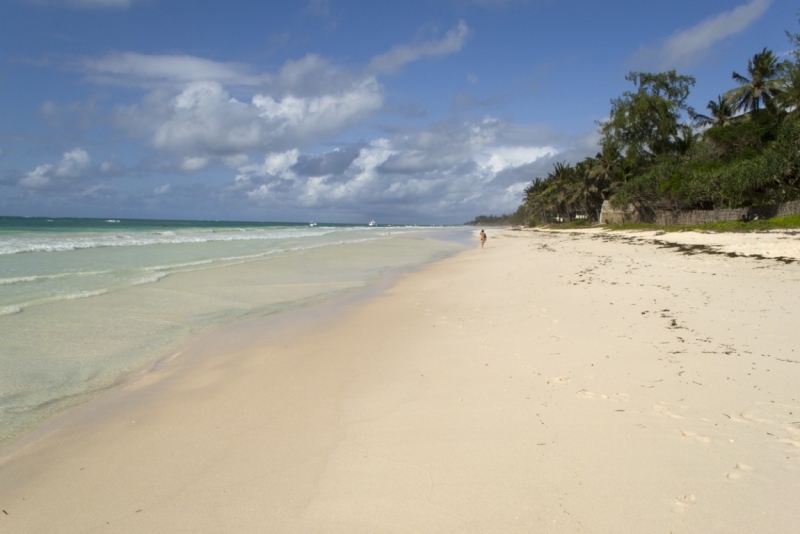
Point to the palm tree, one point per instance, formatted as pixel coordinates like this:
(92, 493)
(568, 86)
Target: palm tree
(557, 191)
(586, 190)
(686, 140)
(535, 201)
(722, 112)
(761, 87)
(789, 99)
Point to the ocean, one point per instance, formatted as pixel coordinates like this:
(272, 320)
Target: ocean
(84, 302)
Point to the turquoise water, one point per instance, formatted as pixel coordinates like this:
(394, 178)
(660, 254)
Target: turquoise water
(83, 302)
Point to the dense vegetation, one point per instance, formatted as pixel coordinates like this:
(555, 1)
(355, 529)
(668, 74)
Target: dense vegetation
(517, 218)
(659, 153)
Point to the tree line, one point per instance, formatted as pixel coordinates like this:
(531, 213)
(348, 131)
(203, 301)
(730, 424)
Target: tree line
(659, 153)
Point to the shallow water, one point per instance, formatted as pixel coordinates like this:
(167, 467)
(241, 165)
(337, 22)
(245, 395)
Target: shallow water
(84, 302)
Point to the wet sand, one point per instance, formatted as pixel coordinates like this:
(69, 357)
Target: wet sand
(552, 382)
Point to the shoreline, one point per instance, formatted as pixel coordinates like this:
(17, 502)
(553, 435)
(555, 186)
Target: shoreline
(87, 338)
(498, 390)
(284, 320)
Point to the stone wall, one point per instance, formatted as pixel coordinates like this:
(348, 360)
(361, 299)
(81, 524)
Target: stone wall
(611, 215)
(789, 208)
(685, 218)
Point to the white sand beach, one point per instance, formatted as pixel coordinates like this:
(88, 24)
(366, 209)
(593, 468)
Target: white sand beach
(556, 382)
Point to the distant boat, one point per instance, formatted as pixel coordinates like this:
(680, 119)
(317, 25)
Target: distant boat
(312, 224)
(373, 223)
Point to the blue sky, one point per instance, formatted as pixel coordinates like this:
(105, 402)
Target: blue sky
(429, 111)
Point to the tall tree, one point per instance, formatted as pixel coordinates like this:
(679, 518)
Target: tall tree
(789, 98)
(761, 87)
(722, 111)
(646, 122)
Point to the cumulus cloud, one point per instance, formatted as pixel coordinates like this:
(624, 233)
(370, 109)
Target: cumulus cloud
(161, 190)
(400, 55)
(74, 164)
(73, 174)
(202, 112)
(203, 120)
(687, 46)
(189, 110)
(271, 180)
(450, 171)
(501, 158)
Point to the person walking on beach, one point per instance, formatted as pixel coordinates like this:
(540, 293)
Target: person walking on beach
(483, 238)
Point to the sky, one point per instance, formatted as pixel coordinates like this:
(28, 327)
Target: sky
(413, 111)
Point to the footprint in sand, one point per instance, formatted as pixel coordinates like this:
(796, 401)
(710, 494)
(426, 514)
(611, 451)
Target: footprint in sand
(794, 436)
(701, 439)
(733, 475)
(621, 397)
(682, 502)
(663, 410)
(753, 418)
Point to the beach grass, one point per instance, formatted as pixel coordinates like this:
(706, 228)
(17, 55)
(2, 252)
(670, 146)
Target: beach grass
(788, 222)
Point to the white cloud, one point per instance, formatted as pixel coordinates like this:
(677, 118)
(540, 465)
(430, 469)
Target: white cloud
(450, 171)
(203, 120)
(400, 55)
(161, 190)
(38, 178)
(688, 46)
(142, 70)
(280, 164)
(190, 112)
(74, 164)
(500, 158)
(272, 179)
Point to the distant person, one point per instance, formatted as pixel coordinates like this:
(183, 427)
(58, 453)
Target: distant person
(483, 238)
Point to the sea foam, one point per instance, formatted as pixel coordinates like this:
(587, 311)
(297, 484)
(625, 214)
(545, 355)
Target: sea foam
(58, 243)
(84, 294)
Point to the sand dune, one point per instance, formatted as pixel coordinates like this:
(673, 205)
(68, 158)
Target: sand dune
(552, 382)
